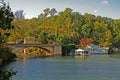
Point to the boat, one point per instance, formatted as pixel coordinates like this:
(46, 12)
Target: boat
(81, 52)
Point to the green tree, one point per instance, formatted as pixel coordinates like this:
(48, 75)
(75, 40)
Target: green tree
(116, 33)
(42, 38)
(46, 12)
(100, 29)
(52, 11)
(86, 30)
(6, 17)
(7, 75)
(68, 27)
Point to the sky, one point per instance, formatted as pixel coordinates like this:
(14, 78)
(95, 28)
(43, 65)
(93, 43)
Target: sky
(32, 8)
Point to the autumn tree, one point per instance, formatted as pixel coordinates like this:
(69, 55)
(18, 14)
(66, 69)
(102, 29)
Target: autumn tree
(42, 38)
(68, 27)
(85, 42)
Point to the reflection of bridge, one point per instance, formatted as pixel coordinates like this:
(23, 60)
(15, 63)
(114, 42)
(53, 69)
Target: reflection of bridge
(50, 48)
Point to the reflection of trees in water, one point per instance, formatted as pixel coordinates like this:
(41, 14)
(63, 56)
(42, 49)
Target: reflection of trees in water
(34, 51)
(115, 56)
(82, 58)
(37, 51)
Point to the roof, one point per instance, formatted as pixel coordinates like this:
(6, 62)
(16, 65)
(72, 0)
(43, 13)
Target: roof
(81, 50)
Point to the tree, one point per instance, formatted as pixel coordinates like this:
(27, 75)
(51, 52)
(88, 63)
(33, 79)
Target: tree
(6, 17)
(42, 38)
(85, 42)
(99, 31)
(86, 30)
(67, 12)
(7, 75)
(46, 12)
(69, 27)
(52, 11)
(108, 38)
(20, 14)
(116, 33)
(41, 15)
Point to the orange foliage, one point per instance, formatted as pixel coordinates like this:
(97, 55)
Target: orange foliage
(89, 41)
(101, 45)
(50, 41)
(85, 42)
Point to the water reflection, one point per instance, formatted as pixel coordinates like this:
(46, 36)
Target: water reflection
(93, 67)
(81, 58)
(26, 57)
(115, 56)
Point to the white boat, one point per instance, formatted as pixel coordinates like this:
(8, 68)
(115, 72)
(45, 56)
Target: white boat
(81, 52)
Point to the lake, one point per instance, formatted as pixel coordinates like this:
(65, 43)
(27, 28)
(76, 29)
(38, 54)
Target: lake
(93, 67)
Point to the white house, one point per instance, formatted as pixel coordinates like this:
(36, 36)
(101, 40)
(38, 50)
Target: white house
(81, 52)
(95, 49)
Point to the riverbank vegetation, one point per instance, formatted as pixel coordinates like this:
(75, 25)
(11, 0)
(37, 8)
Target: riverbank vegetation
(6, 17)
(6, 54)
(7, 75)
(66, 49)
(66, 27)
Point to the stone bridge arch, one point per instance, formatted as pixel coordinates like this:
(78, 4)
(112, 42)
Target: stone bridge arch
(24, 49)
(42, 51)
(49, 48)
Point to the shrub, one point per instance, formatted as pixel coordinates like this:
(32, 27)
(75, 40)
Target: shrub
(7, 75)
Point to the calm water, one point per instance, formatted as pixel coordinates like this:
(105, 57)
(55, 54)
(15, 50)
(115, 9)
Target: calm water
(95, 67)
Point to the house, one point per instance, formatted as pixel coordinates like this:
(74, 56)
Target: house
(29, 40)
(95, 49)
(81, 52)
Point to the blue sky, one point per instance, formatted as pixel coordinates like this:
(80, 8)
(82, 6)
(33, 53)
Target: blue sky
(32, 8)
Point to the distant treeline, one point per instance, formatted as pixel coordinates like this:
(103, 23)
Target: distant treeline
(67, 27)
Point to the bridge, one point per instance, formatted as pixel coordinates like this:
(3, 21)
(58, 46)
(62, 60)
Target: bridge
(52, 49)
